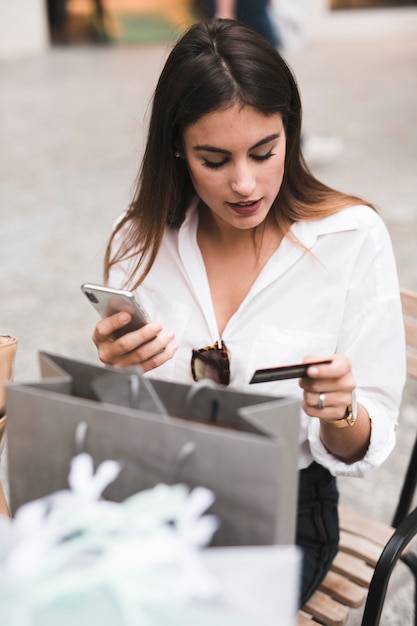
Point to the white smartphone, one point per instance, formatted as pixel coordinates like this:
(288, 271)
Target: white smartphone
(108, 301)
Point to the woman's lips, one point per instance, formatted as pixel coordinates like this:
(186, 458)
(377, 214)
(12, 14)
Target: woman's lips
(245, 208)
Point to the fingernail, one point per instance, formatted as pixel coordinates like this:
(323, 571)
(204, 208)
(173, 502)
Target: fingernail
(312, 371)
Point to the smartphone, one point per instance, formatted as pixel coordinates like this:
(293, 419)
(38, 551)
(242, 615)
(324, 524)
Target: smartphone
(284, 372)
(108, 301)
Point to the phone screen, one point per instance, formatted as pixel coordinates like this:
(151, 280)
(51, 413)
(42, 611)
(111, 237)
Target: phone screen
(109, 301)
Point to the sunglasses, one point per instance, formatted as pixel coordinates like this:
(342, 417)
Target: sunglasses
(211, 362)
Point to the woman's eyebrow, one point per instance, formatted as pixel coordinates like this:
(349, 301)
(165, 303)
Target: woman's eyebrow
(208, 148)
(265, 140)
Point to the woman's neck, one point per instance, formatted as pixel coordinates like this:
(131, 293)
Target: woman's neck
(221, 235)
(233, 259)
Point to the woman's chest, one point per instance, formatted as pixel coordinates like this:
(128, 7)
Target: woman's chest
(279, 323)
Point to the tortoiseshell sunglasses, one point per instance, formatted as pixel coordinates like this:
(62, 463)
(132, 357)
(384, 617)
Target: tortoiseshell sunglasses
(211, 362)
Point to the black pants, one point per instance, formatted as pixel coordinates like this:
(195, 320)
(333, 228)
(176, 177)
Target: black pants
(317, 526)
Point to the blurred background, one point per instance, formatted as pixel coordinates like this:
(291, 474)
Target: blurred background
(76, 78)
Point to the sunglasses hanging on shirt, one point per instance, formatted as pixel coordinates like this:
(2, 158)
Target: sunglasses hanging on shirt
(211, 362)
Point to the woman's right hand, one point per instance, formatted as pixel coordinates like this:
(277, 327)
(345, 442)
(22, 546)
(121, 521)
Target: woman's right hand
(149, 347)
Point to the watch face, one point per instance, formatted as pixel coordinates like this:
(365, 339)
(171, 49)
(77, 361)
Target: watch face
(350, 418)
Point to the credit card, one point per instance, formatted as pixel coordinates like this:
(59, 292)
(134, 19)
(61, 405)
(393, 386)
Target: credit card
(282, 373)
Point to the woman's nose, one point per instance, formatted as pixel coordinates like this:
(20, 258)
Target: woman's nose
(243, 180)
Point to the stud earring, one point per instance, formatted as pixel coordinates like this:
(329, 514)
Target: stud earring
(177, 155)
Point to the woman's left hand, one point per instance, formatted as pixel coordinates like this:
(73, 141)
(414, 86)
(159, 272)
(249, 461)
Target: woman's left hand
(332, 383)
(327, 394)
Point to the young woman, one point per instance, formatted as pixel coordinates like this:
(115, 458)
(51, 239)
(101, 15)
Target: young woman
(244, 260)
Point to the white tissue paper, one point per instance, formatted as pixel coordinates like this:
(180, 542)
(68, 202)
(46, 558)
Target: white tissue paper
(74, 558)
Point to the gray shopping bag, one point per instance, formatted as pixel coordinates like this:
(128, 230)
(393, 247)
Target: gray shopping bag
(242, 446)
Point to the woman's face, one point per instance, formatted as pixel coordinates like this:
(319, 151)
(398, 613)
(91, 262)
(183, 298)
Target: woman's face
(235, 158)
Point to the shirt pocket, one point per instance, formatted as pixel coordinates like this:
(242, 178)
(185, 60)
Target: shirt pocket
(274, 347)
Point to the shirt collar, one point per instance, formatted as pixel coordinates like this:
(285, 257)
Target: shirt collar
(305, 231)
(350, 218)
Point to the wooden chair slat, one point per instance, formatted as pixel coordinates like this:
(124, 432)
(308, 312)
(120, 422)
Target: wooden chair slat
(360, 547)
(326, 610)
(305, 620)
(343, 590)
(353, 568)
(409, 306)
(361, 525)
(409, 303)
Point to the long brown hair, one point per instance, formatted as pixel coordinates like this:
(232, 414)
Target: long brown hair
(213, 66)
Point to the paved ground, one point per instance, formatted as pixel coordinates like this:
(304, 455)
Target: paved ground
(71, 126)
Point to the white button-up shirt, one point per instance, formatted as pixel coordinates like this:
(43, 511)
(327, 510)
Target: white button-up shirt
(336, 291)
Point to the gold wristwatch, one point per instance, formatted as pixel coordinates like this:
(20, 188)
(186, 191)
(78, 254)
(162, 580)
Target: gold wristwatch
(349, 417)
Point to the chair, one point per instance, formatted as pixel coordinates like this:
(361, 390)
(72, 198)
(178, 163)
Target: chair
(369, 549)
